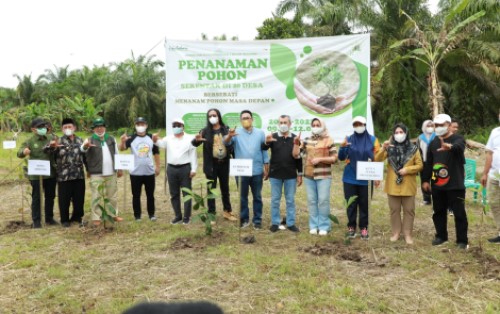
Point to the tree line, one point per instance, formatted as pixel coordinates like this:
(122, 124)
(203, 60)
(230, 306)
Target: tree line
(422, 64)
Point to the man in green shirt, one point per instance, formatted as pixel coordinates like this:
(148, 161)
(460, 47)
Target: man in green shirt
(36, 148)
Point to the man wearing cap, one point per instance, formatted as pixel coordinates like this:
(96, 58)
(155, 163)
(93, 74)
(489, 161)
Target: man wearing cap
(35, 149)
(491, 177)
(444, 169)
(70, 176)
(181, 167)
(100, 150)
(145, 171)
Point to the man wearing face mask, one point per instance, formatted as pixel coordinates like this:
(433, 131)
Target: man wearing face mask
(181, 167)
(145, 170)
(100, 150)
(216, 159)
(70, 176)
(285, 172)
(35, 148)
(423, 142)
(360, 146)
(444, 168)
(248, 142)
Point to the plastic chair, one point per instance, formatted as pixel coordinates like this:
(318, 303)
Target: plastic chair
(470, 179)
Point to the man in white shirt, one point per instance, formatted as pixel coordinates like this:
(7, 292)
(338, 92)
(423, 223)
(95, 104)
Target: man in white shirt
(100, 150)
(181, 167)
(491, 177)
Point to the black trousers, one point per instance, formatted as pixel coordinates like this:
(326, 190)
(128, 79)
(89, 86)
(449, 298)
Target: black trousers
(49, 193)
(149, 186)
(178, 177)
(427, 196)
(454, 199)
(361, 202)
(220, 171)
(72, 191)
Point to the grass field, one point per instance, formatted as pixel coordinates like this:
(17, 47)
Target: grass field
(87, 270)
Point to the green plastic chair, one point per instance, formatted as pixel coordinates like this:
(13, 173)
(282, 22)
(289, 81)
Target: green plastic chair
(470, 179)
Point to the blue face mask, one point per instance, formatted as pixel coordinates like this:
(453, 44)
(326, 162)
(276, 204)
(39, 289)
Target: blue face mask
(177, 130)
(41, 131)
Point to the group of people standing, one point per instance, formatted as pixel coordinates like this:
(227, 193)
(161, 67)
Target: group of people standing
(438, 156)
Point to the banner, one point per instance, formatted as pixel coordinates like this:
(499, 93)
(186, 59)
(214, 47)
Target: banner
(327, 77)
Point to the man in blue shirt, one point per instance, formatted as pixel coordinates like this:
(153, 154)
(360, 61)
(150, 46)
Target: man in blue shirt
(247, 143)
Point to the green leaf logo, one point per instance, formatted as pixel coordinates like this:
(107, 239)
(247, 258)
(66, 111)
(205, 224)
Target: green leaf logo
(283, 66)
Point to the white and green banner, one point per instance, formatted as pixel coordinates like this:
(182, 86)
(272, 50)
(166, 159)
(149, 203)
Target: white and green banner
(327, 77)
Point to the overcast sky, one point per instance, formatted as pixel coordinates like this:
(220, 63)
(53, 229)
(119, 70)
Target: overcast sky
(37, 34)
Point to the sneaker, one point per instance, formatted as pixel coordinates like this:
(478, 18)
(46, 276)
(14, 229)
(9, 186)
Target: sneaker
(274, 228)
(66, 224)
(293, 228)
(463, 246)
(51, 222)
(186, 221)
(323, 232)
(153, 218)
(257, 226)
(176, 220)
(36, 225)
(244, 224)
(351, 233)
(229, 216)
(82, 224)
(282, 227)
(438, 241)
(138, 219)
(494, 240)
(426, 203)
(117, 218)
(364, 234)
(313, 231)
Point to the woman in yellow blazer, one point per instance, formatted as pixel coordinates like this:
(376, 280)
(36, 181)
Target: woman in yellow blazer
(404, 163)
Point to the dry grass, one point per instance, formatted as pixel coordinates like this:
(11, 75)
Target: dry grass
(56, 270)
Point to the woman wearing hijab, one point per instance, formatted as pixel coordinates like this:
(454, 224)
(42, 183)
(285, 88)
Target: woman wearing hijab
(319, 153)
(404, 162)
(423, 142)
(360, 146)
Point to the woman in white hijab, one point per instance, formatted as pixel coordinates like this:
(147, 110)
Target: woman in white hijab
(423, 142)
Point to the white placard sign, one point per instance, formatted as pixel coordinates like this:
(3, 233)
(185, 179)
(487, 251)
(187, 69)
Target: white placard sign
(369, 170)
(9, 144)
(124, 162)
(38, 167)
(240, 167)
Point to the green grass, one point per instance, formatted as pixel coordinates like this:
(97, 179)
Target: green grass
(56, 270)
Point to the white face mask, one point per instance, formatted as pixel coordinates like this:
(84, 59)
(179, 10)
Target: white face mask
(429, 130)
(359, 129)
(68, 132)
(284, 128)
(400, 137)
(316, 130)
(140, 129)
(213, 120)
(442, 130)
(177, 130)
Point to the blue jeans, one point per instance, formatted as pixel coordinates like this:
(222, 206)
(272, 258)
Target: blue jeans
(318, 202)
(253, 183)
(276, 189)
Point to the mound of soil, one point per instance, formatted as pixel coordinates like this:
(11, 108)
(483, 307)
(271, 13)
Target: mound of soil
(13, 226)
(490, 265)
(341, 252)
